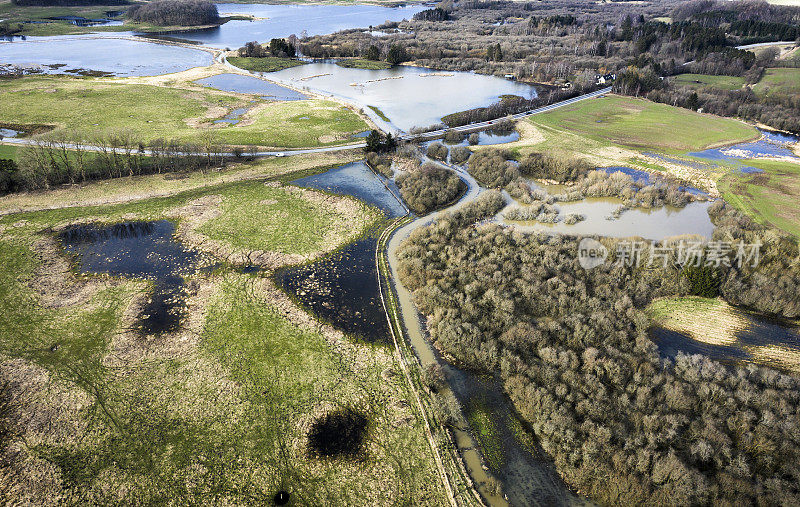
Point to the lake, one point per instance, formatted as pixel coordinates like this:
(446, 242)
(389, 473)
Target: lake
(408, 96)
(278, 21)
(103, 54)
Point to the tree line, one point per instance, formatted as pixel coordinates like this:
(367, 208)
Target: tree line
(175, 13)
(58, 158)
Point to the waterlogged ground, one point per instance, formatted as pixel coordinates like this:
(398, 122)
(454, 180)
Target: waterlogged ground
(248, 84)
(724, 333)
(144, 250)
(71, 54)
(223, 407)
(342, 288)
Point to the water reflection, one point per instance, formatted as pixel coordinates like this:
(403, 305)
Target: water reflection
(145, 250)
(408, 96)
(655, 224)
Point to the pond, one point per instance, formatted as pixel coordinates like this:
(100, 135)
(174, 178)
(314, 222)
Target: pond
(253, 85)
(105, 54)
(408, 96)
(144, 250)
(342, 288)
(771, 144)
(232, 118)
(8, 133)
(654, 224)
(486, 138)
(273, 21)
(761, 341)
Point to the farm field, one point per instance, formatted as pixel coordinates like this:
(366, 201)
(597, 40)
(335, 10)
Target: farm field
(92, 107)
(779, 81)
(700, 81)
(770, 197)
(640, 124)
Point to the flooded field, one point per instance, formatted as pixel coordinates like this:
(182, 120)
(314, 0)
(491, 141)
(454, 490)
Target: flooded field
(761, 341)
(62, 54)
(408, 96)
(144, 250)
(342, 288)
(248, 84)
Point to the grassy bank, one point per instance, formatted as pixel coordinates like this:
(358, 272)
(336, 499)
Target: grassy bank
(137, 188)
(770, 197)
(380, 113)
(92, 107)
(265, 64)
(218, 411)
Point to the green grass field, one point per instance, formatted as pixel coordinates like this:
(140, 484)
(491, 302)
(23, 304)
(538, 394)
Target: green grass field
(360, 63)
(217, 413)
(257, 217)
(266, 64)
(8, 152)
(700, 81)
(91, 107)
(770, 197)
(779, 81)
(640, 124)
(380, 113)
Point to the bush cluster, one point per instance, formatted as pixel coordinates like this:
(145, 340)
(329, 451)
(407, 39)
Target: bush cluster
(429, 187)
(622, 425)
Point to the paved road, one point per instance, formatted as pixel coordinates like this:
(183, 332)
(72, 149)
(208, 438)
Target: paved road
(408, 137)
(765, 44)
(484, 124)
(273, 153)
